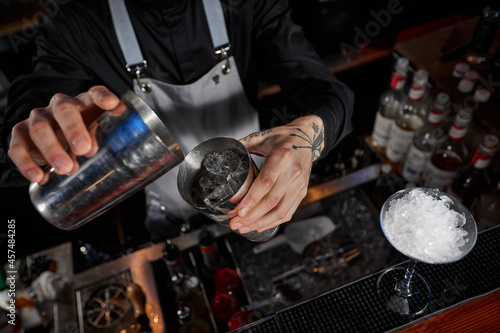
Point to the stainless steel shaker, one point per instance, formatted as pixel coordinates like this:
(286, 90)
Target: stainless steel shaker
(191, 171)
(134, 149)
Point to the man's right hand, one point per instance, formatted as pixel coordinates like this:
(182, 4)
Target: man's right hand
(50, 132)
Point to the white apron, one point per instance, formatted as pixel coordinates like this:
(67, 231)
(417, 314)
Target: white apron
(214, 105)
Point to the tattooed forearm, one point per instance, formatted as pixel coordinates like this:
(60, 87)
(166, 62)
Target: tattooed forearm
(261, 133)
(315, 143)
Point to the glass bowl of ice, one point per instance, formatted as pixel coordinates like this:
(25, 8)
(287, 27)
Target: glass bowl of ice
(425, 225)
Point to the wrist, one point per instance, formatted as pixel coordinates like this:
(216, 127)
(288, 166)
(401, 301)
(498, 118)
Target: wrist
(310, 133)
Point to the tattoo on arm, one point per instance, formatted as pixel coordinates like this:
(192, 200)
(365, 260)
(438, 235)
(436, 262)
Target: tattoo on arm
(314, 143)
(261, 133)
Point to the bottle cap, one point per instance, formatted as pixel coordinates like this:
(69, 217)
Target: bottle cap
(465, 86)
(460, 70)
(386, 168)
(482, 95)
(471, 75)
(421, 77)
(192, 282)
(177, 279)
(490, 141)
(442, 100)
(184, 313)
(402, 63)
(171, 252)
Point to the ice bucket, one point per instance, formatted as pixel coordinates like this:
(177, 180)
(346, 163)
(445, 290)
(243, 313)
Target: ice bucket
(134, 149)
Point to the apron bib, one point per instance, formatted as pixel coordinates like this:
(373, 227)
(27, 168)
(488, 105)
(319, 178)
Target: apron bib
(214, 105)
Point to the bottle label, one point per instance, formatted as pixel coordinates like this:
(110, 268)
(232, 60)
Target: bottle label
(415, 164)
(437, 178)
(398, 144)
(457, 133)
(480, 161)
(174, 263)
(208, 249)
(398, 81)
(416, 93)
(381, 129)
(435, 117)
(209, 256)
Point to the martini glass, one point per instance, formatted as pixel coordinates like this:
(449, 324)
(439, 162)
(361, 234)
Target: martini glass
(441, 233)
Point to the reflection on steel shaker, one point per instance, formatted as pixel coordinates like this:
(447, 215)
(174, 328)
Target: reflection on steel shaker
(134, 150)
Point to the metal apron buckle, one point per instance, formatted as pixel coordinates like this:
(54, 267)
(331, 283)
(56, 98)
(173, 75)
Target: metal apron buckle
(139, 71)
(226, 68)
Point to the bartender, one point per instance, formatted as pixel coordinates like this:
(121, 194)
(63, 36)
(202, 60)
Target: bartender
(197, 64)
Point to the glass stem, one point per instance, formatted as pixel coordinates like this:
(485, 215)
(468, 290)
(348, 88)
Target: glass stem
(403, 287)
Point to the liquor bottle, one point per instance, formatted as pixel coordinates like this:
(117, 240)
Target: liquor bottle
(388, 105)
(495, 71)
(173, 257)
(189, 323)
(483, 36)
(448, 156)
(187, 291)
(493, 169)
(410, 117)
(209, 252)
(486, 208)
(424, 140)
(472, 178)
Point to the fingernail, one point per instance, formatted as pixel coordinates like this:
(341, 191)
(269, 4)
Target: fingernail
(244, 230)
(32, 176)
(61, 164)
(81, 146)
(236, 226)
(243, 211)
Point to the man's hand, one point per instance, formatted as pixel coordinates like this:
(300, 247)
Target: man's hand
(282, 183)
(50, 132)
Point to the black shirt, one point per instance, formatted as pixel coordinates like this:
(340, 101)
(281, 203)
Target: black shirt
(77, 48)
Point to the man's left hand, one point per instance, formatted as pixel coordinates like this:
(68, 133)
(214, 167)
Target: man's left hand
(281, 185)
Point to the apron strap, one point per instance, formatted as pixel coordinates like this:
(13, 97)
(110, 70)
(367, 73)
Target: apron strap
(125, 33)
(218, 31)
(135, 62)
(216, 23)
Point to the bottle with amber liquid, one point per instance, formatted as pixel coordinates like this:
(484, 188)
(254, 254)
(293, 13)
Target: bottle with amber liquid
(389, 104)
(409, 118)
(448, 156)
(188, 292)
(472, 178)
(190, 323)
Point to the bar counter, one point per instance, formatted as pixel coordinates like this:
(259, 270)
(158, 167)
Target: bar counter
(468, 290)
(465, 295)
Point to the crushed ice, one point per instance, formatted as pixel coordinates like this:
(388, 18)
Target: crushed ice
(425, 227)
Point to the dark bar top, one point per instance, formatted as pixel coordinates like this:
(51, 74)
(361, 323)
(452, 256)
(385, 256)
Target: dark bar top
(356, 307)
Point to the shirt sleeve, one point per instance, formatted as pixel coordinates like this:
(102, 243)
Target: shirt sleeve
(302, 75)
